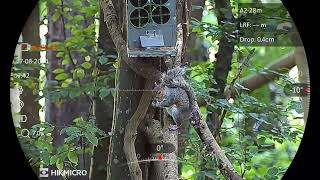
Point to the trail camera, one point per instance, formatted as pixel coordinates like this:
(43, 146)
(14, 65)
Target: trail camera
(151, 28)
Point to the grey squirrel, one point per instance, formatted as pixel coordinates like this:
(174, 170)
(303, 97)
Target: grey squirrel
(174, 94)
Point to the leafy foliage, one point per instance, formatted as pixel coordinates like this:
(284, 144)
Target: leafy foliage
(261, 129)
(77, 76)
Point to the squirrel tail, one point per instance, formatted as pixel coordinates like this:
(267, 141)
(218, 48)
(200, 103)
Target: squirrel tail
(173, 75)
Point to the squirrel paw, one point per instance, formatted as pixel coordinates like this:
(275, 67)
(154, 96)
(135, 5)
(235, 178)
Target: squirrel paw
(173, 127)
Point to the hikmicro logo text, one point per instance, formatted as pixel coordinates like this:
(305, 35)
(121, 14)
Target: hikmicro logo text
(45, 172)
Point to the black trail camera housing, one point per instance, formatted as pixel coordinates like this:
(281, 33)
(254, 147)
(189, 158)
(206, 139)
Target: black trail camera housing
(151, 28)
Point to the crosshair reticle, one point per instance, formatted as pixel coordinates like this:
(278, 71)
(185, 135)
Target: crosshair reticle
(139, 17)
(161, 15)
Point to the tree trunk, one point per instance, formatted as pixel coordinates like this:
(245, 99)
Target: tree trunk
(222, 65)
(166, 166)
(63, 115)
(53, 112)
(129, 93)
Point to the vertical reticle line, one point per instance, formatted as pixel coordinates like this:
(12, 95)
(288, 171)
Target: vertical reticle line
(148, 8)
(139, 16)
(139, 13)
(144, 16)
(160, 12)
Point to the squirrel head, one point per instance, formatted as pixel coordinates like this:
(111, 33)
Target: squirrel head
(159, 90)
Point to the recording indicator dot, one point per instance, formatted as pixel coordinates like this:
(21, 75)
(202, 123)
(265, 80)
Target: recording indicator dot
(159, 157)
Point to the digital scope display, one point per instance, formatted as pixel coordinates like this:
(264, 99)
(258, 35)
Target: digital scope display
(159, 90)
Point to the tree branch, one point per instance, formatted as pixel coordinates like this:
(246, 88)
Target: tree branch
(207, 138)
(131, 132)
(282, 65)
(255, 81)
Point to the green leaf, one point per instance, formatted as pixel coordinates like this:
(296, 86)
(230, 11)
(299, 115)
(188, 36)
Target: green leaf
(92, 138)
(95, 72)
(56, 16)
(77, 3)
(62, 148)
(59, 163)
(53, 159)
(75, 92)
(116, 65)
(73, 157)
(65, 61)
(60, 54)
(77, 120)
(103, 60)
(210, 174)
(69, 17)
(78, 18)
(45, 158)
(198, 29)
(92, 130)
(61, 76)
(82, 50)
(65, 85)
(69, 80)
(80, 73)
(71, 131)
(55, 2)
(104, 93)
(86, 65)
(272, 171)
(66, 9)
(113, 92)
(68, 26)
(70, 139)
(87, 58)
(58, 71)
